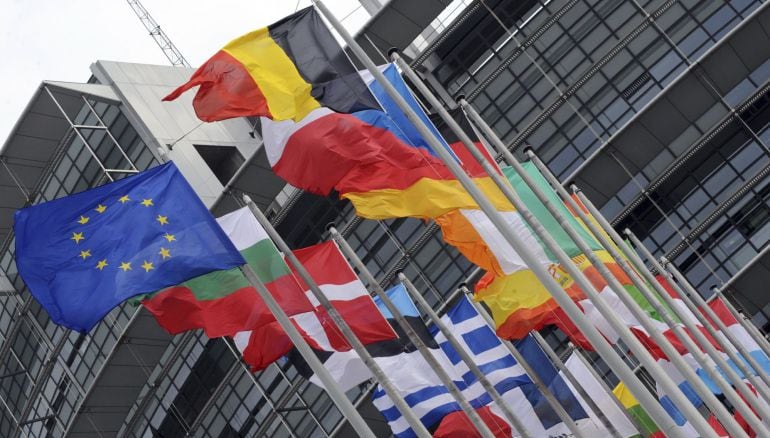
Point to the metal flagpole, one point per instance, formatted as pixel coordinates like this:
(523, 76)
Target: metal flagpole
(695, 302)
(496, 397)
(645, 398)
(533, 375)
(632, 257)
(673, 355)
(606, 388)
(749, 397)
(454, 391)
(687, 408)
(675, 393)
(334, 391)
(744, 321)
(562, 367)
(350, 336)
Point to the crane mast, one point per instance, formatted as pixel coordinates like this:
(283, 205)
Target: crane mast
(161, 39)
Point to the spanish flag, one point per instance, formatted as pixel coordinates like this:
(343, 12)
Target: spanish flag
(283, 71)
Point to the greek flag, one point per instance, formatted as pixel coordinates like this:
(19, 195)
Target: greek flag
(432, 402)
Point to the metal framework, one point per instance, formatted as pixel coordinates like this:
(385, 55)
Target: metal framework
(23, 303)
(161, 39)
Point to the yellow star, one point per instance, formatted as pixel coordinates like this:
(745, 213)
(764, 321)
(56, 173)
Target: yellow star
(101, 208)
(85, 254)
(125, 266)
(147, 266)
(147, 202)
(162, 219)
(102, 263)
(123, 199)
(83, 220)
(169, 237)
(77, 237)
(164, 253)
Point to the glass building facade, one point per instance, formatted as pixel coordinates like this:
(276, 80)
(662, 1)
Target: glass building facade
(570, 78)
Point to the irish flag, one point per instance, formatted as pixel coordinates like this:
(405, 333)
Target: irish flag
(222, 302)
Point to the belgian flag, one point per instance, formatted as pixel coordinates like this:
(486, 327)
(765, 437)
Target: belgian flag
(282, 71)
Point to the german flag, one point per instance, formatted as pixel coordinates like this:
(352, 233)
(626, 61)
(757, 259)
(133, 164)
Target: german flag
(282, 71)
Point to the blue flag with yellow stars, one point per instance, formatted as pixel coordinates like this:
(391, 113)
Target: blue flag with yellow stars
(84, 254)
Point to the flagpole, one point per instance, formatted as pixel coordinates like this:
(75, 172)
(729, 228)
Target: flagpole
(335, 393)
(716, 406)
(640, 352)
(749, 397)
(562, 367)
(607, 389)
(646, 399)
(541, 386)
(695, 302)
(714, 373)
(679, 399)
(446, 380)
(744, 321)
(491, 390)
(347, 332)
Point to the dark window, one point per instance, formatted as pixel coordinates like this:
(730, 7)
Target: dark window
(224, 161)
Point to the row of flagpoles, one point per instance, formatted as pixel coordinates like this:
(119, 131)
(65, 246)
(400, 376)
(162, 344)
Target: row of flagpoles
(688, 349)
(596, 339)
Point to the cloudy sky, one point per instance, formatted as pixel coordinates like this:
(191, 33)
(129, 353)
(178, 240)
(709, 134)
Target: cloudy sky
(58, 40)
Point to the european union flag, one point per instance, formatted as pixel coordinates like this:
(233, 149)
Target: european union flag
(84, 254)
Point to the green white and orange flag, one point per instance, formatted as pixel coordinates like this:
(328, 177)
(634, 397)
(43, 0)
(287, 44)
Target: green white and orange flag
(222, 303)
(517, 300)
(282, 71)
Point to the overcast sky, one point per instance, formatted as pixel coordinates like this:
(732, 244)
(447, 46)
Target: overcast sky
(58, 40)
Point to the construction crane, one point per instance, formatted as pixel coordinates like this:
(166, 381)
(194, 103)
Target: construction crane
(169, 49)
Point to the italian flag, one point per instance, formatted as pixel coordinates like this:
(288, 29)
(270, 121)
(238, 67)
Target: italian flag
(222, 303)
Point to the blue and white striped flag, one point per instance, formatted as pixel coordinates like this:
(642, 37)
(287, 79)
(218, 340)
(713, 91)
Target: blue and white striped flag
(432, 402)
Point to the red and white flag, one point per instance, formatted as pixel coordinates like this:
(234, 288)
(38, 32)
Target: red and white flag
(348, 296)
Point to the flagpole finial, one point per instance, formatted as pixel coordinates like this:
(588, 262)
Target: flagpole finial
(391, 51)
(460, 98)
(574, 187)
(331, 225)
(664, 260)
(627, 232)
(529, 151)
(401, 276)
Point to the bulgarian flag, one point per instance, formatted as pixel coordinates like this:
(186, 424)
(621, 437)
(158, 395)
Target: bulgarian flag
(222, 303)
